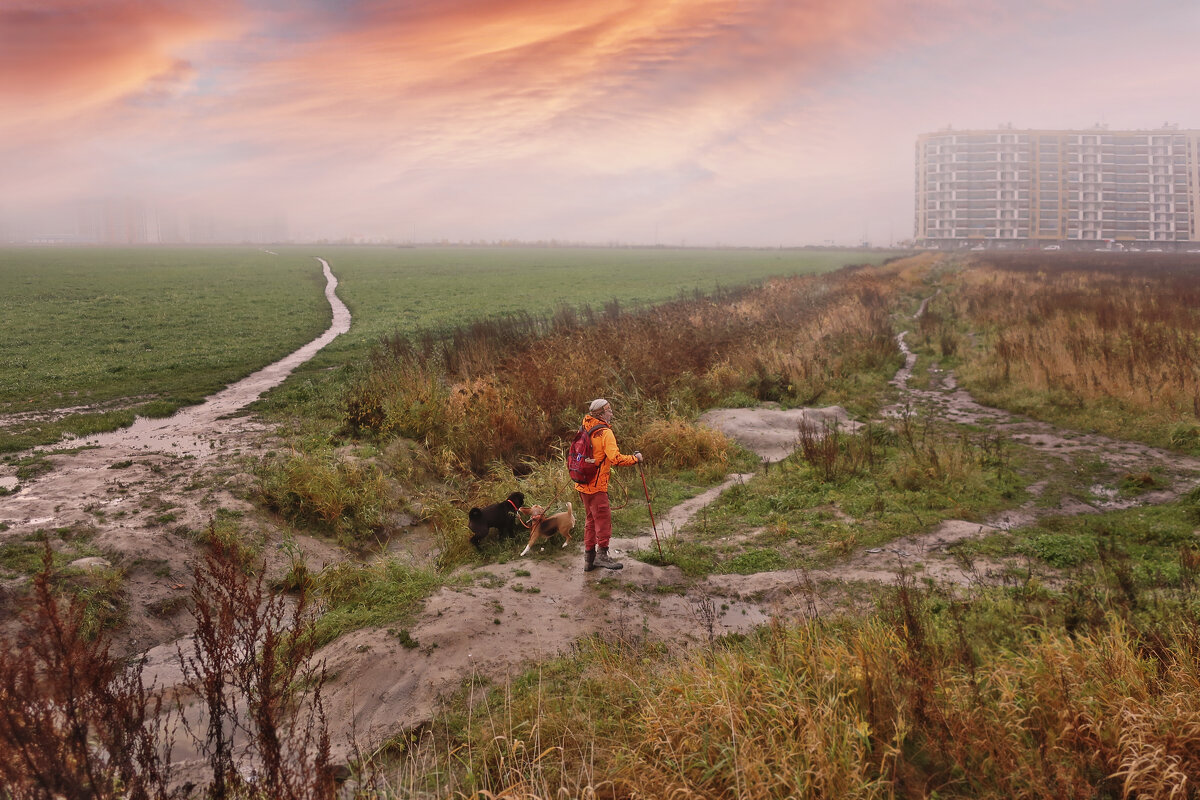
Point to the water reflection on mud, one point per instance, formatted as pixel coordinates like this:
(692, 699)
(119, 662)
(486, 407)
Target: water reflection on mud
(195, 431)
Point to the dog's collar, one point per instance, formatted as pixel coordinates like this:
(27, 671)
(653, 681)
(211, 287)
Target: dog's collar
(514, 505)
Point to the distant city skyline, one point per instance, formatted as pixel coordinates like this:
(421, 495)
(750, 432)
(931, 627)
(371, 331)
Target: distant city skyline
(697, 122)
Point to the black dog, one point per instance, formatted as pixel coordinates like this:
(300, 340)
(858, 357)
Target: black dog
(502, 516)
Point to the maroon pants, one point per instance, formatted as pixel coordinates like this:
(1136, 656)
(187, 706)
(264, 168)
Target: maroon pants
(597, 526)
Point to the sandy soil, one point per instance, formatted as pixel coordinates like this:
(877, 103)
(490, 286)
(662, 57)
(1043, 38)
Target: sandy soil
(771, 432)
(506, 619)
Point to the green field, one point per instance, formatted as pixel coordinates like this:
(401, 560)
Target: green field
(391, 289)
(147, 330)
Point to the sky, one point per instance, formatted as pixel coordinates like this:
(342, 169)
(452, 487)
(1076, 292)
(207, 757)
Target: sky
(673, 122)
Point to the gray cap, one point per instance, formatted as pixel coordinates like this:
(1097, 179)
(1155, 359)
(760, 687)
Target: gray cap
(597, 405)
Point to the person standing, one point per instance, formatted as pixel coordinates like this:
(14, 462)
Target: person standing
(597, 527)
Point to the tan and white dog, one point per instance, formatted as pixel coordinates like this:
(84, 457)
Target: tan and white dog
(542, 527)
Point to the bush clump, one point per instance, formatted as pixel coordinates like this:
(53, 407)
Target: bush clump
(683, 445)
(345, 496)
(513, 389)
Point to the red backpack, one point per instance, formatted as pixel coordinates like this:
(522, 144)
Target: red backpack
(580, 464)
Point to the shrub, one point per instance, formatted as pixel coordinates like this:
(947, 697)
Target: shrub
(511, 389)
(836, 455)
(226, 535)
(1062, 550)
(357, 595)
(345, 496)
(448, 519)
(1186, 436)
(83, 725)
(680, 444)
(392, 399)
(1191, 502)
(79, 722)
(251, 669)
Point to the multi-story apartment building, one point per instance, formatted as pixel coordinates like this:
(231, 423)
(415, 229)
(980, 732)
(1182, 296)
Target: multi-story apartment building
(1032, 187)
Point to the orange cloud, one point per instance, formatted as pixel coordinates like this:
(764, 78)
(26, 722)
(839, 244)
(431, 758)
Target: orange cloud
(508, 106)
(62, 57)
(446, 79)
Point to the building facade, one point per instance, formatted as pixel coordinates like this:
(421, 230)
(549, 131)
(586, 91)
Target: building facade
(1024, 188)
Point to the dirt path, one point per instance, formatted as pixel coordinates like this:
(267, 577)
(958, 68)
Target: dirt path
(531, 609)
(134, 488)
(927, 554)
(946, 401)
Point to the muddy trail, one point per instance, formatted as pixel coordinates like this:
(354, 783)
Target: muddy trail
(527, 610)
(139, 490)
(507, 616)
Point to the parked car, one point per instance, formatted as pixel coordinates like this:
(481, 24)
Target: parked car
(1052, 247)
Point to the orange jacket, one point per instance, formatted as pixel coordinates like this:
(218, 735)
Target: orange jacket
(604, 450)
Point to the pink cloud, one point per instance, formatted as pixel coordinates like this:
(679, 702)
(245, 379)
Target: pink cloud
(670, 106)
(558, 76)
(61, 57)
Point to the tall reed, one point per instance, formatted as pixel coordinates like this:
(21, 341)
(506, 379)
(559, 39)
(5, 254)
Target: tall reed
(1082, 334)
(983, 697)
(76, 721)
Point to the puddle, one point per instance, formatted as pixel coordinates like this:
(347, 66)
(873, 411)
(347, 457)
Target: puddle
(194, 435)
(194, 431)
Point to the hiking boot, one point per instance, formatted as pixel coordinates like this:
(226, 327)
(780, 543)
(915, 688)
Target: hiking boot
(604, 560)
(589, 560)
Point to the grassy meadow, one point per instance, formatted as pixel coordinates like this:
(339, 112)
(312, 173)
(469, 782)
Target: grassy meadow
(125, 331)
(1069, 667)
(410, 290)
(119, 332)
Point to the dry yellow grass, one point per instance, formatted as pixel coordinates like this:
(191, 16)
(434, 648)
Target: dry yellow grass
(1087, 336)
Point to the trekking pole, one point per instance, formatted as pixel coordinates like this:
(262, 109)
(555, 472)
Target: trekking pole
(653, 526)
